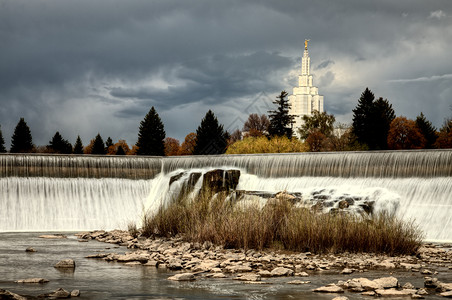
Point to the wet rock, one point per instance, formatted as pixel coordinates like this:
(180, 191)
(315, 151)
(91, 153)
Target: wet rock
(32, 280)
(151, 263)
(302, 274)
(430, 282)
(426, 272)
(30, 249)
(220, 180)
(408, 285)
(265, 273)
(393, 293)
(347, 271)
(206, 265)
(340, 298)
(7, 295)
(60, 293)
(182, 277)
(422, 291)
(248, 277)
(52, 236)
(446, 294)
(65, 264)
(281, 271)
(133, 257)
(176, 177)
(416, 296)
(298, 282)
(75, 293)
(385, 264)
(133, 263)
(219, 275)
(387, 282)
(238, 269)
(331, 288)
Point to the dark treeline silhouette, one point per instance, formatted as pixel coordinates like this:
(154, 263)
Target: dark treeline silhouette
(375, 126)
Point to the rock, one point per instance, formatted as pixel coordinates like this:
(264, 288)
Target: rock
(151, 263)
(220, 180)
(248, 277)
(7, 295)
(387, 282)
(393, 293)
(331, 288)
(32, 280)
(65, 264)
(30, 249)
(368, 293)
(52, 236)
(426, 272)
(75, 293)
(430, 282)
(133, 263)
(446, 294)
(302, 274)
(98, 255)
(206, 265)
(385, 264)
(60, 293)
(408, 285)
(219, 275)
(365, 283)
(265, 273)
(416, 296)
(298, 282)
(340, 298)
(133, 257)
(422, 291)
(445, 287)
(238, 269)
(343, 204)
(182, 277)
(174, 264)
(281, 271)
(347, 271)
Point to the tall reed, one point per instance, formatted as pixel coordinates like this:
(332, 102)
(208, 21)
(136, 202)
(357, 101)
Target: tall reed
(281, 225)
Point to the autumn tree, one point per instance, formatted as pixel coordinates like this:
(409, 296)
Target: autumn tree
(188, 146)
(172, 146)
(108, 144)
(21, 141)
(113, 149)
(59, 145)
(98, 146)
(2, 142)
(445, 135)
(427, 130)
(78, 146)
(371, 120)
(317, 122)
(280, 120)
(151, 135)
(236, 135)
(210, 136)
(263, 144)
(404, 134)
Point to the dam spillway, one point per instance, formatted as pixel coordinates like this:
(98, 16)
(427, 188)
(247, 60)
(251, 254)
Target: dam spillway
(69, 192)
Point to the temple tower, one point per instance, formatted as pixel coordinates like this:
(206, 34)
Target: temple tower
(305, 97)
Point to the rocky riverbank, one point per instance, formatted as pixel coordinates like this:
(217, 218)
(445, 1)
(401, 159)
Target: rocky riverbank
(194, 261)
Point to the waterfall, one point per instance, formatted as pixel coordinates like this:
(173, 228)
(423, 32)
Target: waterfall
(69, 192)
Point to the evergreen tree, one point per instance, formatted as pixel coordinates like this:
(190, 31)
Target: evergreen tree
(151, 135)
(108, 143)
(59, 145)
(2, 142)
(120, 151)
(427, 130)
(78, 146)
(280, 120)
(21, 141)
(371, 121)
(98, 145)
(210, 136)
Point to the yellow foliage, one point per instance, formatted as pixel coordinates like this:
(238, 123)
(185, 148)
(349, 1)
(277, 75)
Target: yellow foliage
(264, 145)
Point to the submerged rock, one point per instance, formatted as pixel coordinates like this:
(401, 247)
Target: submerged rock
(32, 280)
(182, 277)
(7, 295)
(331, 288)
(65, 264)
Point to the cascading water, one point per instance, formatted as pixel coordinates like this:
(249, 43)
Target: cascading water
(43, 192)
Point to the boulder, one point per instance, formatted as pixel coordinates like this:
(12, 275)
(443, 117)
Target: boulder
(220, 180)
(32, 280)
(65, 264)
(387, 282)
(182, 277)
(281, 271)
(331, 288)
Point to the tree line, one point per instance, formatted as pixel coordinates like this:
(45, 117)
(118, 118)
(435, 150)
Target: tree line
(374, 127)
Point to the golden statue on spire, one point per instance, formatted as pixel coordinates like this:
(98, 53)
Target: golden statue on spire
(306, 44)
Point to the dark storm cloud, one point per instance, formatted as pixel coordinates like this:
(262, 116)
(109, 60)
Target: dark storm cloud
(83, 67)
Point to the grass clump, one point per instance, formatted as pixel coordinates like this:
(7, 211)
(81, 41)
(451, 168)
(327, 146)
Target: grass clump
(280, 225)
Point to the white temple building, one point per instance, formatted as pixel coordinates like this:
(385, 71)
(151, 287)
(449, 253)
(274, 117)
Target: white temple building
(305, 97)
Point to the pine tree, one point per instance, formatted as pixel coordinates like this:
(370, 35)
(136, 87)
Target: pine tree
(427, 130)
(2, 142)
(98, 145)
(210, 136)
(108, 143)
(280, 120)
(371, 120)
(59, 145)
(120, 151)
(78, 146)
(151, 135)
(21, 141)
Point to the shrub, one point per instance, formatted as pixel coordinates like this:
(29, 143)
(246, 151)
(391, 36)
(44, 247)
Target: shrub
(264, 145)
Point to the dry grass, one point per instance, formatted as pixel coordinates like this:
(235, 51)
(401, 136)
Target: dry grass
(280, 225)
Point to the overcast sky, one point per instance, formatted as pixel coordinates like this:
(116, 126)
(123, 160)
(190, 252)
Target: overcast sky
(82, 67)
